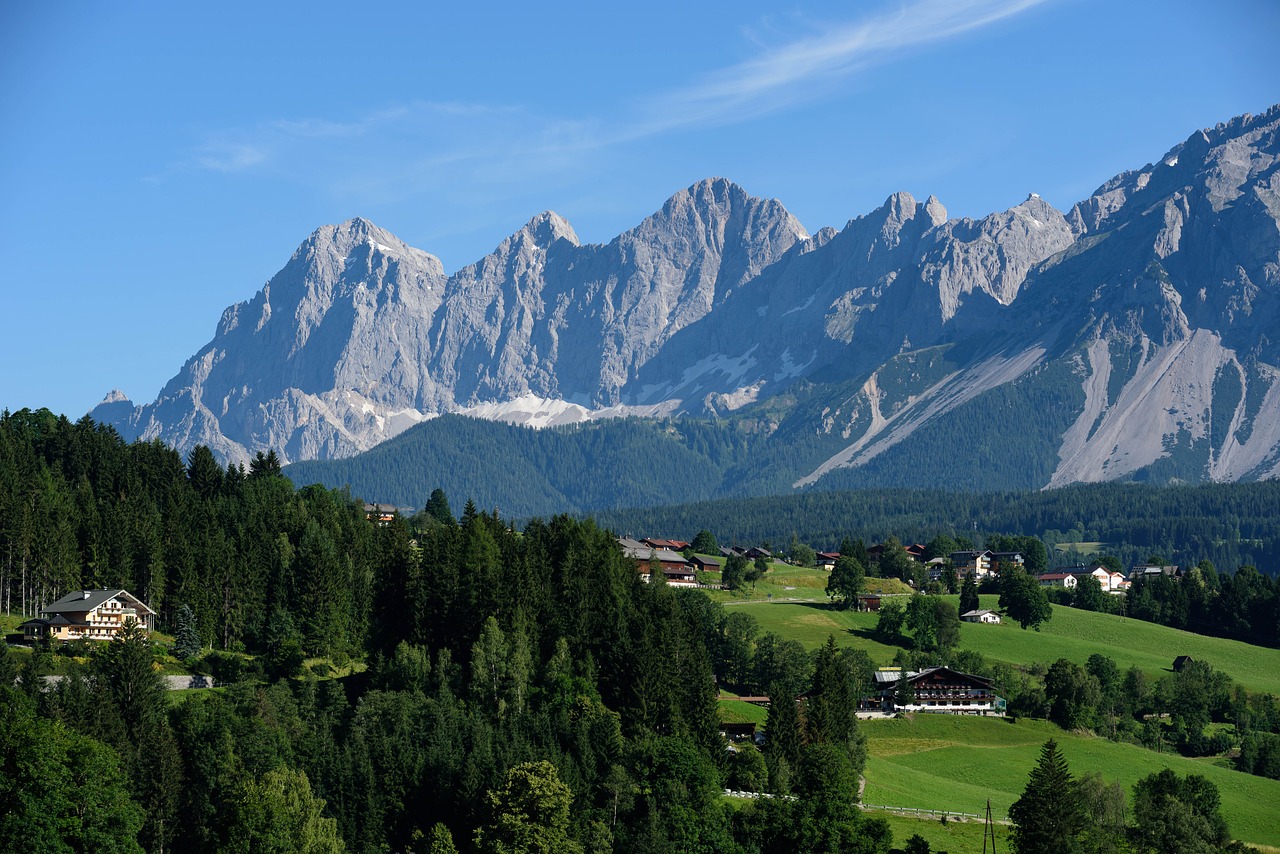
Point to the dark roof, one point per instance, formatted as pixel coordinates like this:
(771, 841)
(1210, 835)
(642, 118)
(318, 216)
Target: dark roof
(968, 554)
(929, 671)
(1010, 555)
(86, 600)
(706, 561)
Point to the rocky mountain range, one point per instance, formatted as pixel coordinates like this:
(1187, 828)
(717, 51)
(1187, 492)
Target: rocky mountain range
(1134, 336)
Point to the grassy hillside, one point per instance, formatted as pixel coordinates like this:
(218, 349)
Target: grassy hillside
(1071, 634)
(1075, 635)
(946, 762)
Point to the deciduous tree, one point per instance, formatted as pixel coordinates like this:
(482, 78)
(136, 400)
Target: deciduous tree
(1022, 597)
(845, 582)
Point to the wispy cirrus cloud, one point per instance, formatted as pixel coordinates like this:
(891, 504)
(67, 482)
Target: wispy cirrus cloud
(412, 147)
(802, 69)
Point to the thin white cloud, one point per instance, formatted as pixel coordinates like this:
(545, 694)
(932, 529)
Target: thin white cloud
(418, 146)
(229, 157)
(798, 70)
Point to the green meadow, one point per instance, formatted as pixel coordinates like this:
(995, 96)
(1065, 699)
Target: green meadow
(956, 763)
(1071, 634)
(954, 836)
(1075, 635)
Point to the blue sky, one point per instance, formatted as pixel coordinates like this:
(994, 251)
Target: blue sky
(160, 161)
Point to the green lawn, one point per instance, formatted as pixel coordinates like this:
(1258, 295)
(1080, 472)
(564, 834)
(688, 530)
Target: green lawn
(784, 581)
(1071, 634)
(954, 836)
(949, 762)
(735, 711)
(1075, 635)
(1083, 548)
(812, 623)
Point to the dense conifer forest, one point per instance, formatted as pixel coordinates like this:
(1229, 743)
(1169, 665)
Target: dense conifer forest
(524, 690)
(1230, 524)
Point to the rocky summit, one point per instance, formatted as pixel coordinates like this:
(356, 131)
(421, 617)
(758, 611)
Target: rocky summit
(1135, 336)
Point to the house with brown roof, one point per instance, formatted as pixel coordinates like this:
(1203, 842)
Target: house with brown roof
(88, 615)
(1065, 580)
(826, 560)
(681, 576)
(937, 690)
(380, 514)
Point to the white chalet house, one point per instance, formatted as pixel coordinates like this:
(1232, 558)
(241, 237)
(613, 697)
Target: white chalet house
(88, 615)
(937, 690)
(980, 616)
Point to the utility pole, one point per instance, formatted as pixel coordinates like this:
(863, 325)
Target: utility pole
(989, 831)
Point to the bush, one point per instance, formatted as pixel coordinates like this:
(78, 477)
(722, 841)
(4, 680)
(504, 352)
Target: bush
(224, 667)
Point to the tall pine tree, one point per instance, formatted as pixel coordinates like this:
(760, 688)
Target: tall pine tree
(1048, 817)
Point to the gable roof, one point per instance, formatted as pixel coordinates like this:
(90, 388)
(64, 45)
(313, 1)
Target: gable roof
(86, 600)
(947, 671)
(970, 554)
(978, 612)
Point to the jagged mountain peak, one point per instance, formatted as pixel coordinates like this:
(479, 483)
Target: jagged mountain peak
(715, 201)
(548, 227)
(115, 396)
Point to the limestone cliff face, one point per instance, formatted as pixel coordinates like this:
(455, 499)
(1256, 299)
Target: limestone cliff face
(324, 361)
(839, 304)
(1159, 294)
(361, 335)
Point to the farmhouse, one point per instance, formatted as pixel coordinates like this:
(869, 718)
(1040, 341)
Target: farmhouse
(826, 560)
(980, 616)
(706, 564)
(1109, 581)
(380, 514)
(671, 545)
(681, 576)
(1065, 580)
(1150, 570)
(88, 614)
(977, 564)
(1015, 558)
(937, 690)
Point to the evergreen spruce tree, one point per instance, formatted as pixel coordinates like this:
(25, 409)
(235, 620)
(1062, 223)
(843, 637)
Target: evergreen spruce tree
(969, 595)
(130, 681)
(438, 507)
(186, 640)
(1048, 817)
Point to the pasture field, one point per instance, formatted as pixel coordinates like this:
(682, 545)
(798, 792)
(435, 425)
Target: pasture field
(1075, 635)
(954, 836)
(735, 711)
(1071, 634)
(953, 762)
